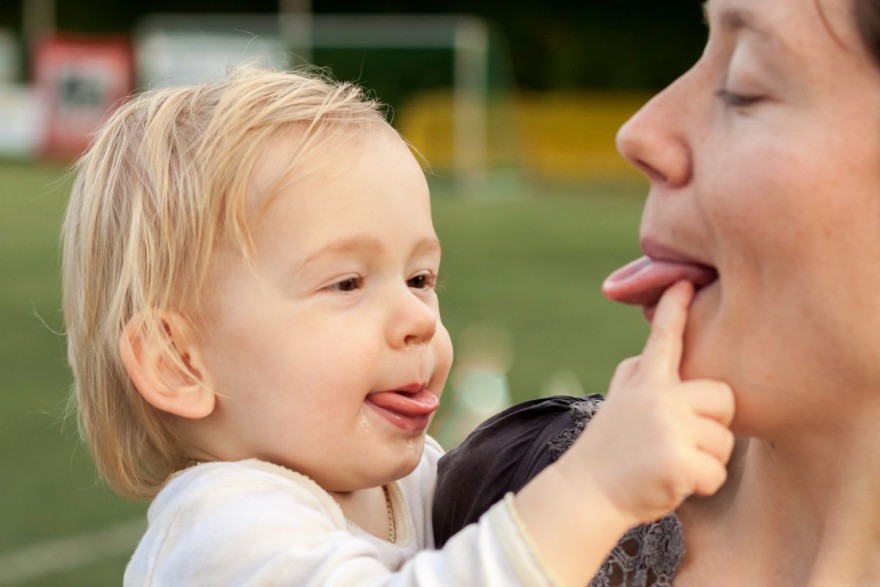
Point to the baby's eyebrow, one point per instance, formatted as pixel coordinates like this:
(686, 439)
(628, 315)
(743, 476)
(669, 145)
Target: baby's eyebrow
(367, 244)
(428, 245)
(344, 245)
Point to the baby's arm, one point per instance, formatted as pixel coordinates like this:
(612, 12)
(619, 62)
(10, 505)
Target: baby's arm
(656, 440)
(255, 524)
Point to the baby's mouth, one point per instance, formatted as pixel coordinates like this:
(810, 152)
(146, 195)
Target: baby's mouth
(412, 401)
(408, 408)
(643, 281)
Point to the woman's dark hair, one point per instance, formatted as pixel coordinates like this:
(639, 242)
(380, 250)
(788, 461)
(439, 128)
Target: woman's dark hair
(867, 15)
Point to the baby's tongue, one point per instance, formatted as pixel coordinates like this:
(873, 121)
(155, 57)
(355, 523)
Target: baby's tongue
(410, 404)
(644, 280)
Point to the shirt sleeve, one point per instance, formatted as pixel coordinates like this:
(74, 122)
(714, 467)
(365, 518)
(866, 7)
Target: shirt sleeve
(495, 551)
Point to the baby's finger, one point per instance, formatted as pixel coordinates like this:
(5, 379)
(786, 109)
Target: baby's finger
(710, 474)
(710, 399)
(626, 369)
(662, 355)
(714, 439)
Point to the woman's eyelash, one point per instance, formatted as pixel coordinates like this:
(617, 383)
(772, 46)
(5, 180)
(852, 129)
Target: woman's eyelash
(736, 100)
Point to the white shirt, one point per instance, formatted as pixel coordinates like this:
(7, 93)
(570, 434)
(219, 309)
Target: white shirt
(252, 523)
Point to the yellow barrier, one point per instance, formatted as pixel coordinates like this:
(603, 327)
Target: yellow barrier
(549, 136)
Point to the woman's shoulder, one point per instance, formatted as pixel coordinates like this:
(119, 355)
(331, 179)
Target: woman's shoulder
(532, 433)
(503, 454)
(509, 449)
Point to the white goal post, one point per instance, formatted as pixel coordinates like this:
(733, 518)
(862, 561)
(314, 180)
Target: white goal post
(172, 48)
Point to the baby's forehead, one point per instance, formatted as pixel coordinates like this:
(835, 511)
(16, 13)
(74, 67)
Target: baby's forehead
(298, 152)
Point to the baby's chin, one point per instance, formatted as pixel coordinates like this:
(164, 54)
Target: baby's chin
(387, 469)
(410, 457)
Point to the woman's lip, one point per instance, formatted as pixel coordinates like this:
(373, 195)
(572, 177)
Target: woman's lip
(660, 251)
(649, 309)
(642, 281)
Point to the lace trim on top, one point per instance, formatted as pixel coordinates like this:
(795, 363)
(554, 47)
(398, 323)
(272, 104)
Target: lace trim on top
(647, 555)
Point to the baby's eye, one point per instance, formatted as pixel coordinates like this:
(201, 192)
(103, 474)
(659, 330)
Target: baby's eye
(422, 281)
(348, 284)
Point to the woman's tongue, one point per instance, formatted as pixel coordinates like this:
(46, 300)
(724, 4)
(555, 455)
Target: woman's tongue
(644, 280)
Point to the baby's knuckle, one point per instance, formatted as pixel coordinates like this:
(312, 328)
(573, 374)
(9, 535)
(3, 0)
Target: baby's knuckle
(712, 480)
(626, 367)
(660, 337)
(729, 444)
(675, 489)
(673, 459)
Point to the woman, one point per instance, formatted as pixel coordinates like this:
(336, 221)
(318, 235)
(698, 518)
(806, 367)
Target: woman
(764, 166)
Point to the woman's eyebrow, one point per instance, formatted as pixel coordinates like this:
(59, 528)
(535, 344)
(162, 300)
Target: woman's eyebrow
(736, 19)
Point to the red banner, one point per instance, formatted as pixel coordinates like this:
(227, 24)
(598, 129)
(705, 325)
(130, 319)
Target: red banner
(80, 80)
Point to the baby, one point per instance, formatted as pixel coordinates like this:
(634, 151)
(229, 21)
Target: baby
(254, 332)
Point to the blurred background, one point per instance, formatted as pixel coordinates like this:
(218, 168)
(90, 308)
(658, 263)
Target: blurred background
(514, 106)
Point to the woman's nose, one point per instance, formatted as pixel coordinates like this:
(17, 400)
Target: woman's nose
(655, 141)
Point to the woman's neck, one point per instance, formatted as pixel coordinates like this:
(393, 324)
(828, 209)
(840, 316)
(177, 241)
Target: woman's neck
(801, 509)
(848, 551)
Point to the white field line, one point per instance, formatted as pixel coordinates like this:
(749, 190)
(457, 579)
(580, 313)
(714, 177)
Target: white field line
(55, 556)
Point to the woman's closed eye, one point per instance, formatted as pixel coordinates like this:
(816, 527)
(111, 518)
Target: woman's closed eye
(736, 100)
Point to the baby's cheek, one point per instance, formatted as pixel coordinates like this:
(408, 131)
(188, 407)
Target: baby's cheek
(443, 352)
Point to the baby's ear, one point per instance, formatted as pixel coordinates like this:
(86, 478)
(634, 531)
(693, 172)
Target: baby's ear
(160, 355)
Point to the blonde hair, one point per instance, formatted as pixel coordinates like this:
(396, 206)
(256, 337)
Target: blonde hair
(164, 183)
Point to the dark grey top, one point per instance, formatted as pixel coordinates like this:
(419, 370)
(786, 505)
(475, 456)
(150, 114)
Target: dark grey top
(509, 449)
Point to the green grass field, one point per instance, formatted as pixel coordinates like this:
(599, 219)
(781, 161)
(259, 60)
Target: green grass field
(528, 260)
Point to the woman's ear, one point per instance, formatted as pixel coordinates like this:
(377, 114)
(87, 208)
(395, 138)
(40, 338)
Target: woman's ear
(160, 355)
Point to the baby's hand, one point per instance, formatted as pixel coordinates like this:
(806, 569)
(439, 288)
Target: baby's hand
(658, 439)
